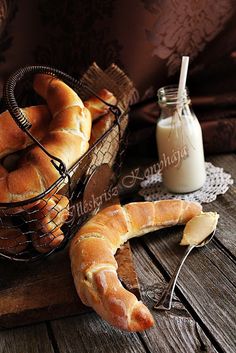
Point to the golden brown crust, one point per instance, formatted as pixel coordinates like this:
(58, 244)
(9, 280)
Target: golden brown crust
(47, 217)
(12, 138)
(112, 218)
(58, 95)
(163, 214)
(96, 107)
(140, 215)
(92, 256)
(51, 213)
(68, 141)
(3, 171)
(44, 243)
(115, 304)
(101, 126)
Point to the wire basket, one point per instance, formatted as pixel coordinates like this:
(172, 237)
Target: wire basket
(37, 227)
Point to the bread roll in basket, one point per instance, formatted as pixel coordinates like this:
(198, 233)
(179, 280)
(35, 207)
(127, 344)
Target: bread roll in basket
(41, 198)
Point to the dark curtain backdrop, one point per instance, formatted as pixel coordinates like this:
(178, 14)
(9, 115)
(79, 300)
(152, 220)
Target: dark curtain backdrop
(146, 38)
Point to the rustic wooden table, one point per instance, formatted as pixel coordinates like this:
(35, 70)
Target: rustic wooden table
(203, 315)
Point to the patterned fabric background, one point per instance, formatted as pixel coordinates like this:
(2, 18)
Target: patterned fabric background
(146, 38)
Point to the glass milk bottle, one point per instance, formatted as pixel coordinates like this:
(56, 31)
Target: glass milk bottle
(179, 142)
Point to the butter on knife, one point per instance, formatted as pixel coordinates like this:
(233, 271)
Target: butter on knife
(199, 227)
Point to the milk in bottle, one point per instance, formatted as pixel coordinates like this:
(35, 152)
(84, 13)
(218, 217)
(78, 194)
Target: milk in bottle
(179, 142)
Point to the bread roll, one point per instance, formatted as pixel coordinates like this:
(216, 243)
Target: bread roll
(101, 126)
(67, 139)
(47, 218)
(13, 139)
(96, 107)
(92, 256)
(44, 243)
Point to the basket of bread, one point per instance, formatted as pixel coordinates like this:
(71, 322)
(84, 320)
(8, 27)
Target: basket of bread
(49, 152)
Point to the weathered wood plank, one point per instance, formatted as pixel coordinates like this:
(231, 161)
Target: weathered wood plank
(88, 334)
(175, 331)
(126, 269)
(23, 288)
(225, 207)
(32, 339)
(205, 286)
(226, 161)
(223, 261)
(225, 204)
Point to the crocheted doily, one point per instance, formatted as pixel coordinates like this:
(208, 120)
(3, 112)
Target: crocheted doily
(217, 183)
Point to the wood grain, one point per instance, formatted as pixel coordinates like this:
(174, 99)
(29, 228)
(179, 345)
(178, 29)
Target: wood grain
(26, 340)
(126, 269)
(36, 292)
(175, 331)
(206, 288)
(225, 204)
(88, 334)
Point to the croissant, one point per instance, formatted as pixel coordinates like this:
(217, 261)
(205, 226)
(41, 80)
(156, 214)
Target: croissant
(101, 126)
(13, 139)
(92, 256)
(47, 217)
(67, 139)
(96, 107)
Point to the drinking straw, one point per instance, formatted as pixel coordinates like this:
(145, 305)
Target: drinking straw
(183, 77)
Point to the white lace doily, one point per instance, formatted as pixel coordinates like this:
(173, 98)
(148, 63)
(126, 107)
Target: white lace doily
(217, 183)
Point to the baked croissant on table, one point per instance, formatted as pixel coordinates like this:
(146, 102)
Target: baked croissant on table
(94, 266)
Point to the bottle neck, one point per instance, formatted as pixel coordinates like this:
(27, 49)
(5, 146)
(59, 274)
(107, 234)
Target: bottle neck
(173, 105)
(168, 97)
